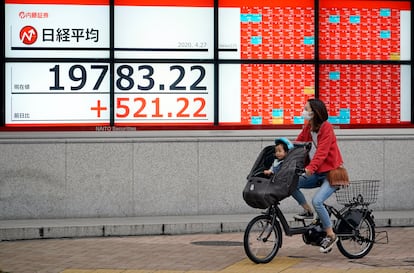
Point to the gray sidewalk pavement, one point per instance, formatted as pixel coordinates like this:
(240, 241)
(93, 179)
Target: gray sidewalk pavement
(198, 244)
(197, 253)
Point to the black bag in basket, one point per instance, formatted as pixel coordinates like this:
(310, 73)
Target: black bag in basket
(262, 191)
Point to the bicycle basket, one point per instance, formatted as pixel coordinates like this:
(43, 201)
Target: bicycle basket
(362, 192)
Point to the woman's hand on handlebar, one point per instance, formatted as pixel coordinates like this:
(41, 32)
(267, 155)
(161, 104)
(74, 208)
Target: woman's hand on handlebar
(303, 172)
(300, 171)
(308, 172)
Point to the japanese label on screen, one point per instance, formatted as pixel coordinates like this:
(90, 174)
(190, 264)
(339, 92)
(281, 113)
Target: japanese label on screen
(55, 31)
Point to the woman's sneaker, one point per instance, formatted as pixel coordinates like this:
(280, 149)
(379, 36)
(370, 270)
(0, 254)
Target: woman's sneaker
(304, 215)
(327, 244)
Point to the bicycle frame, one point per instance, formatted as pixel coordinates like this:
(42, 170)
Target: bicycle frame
(354, 225)
(278, 216)
(339, 216)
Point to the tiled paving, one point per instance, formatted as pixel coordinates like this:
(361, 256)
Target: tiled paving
(196, 253)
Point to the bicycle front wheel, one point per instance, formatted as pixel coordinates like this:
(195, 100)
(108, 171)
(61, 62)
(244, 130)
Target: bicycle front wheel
(360, 244)
(262, 240)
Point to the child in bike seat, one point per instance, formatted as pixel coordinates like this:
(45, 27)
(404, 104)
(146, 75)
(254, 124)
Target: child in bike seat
(282, 147)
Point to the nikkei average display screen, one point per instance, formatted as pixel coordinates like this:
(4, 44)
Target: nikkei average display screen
(158, 63)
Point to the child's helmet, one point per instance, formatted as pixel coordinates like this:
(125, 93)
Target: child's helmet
(285, 141)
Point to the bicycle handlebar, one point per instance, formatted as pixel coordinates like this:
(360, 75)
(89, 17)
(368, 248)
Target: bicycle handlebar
(300, 171)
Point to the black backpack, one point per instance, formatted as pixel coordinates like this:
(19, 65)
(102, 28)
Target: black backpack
(262, 191)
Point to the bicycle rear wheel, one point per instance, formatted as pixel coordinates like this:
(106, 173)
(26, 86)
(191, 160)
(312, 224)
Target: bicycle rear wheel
(360, 244)
(262, 240)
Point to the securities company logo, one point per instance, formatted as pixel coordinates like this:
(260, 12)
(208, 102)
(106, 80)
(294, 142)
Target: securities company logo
(28, 35)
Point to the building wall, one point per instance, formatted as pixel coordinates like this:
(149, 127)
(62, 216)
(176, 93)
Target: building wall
(150, 173)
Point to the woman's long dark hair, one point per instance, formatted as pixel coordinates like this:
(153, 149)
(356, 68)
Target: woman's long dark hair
(320, 114)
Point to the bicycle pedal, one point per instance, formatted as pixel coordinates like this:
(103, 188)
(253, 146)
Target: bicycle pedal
(326, 252)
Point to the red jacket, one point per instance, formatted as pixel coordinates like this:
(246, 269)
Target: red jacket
(327, 156)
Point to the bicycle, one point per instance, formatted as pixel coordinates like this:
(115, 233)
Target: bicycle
(354, 225)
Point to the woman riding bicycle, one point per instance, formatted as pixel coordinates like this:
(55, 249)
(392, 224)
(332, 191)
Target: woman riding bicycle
(324, 156)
